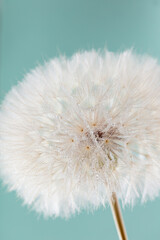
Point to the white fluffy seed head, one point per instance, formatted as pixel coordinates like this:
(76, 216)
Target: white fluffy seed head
(76, 130)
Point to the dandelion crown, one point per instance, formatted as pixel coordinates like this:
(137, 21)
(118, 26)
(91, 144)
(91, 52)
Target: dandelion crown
(76, 130)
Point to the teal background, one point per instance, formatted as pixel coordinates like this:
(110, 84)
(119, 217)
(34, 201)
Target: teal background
(33, 31)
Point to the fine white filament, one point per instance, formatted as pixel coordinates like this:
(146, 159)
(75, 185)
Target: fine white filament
(76, 130)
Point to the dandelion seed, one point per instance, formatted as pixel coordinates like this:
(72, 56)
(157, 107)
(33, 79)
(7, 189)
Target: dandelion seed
(80, 131)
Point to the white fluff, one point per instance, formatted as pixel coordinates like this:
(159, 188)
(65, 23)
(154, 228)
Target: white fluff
(76, 130)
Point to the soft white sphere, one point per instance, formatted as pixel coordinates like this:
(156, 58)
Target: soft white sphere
(76, 130)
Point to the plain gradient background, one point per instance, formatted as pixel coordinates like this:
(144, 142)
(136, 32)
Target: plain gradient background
(33, 31)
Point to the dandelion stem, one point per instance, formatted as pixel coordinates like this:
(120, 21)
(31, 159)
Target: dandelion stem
(117, 215)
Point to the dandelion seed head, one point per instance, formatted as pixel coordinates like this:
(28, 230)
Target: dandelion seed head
(76, 130)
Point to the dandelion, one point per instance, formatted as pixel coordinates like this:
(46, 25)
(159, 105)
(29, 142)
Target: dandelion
(82, 132)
